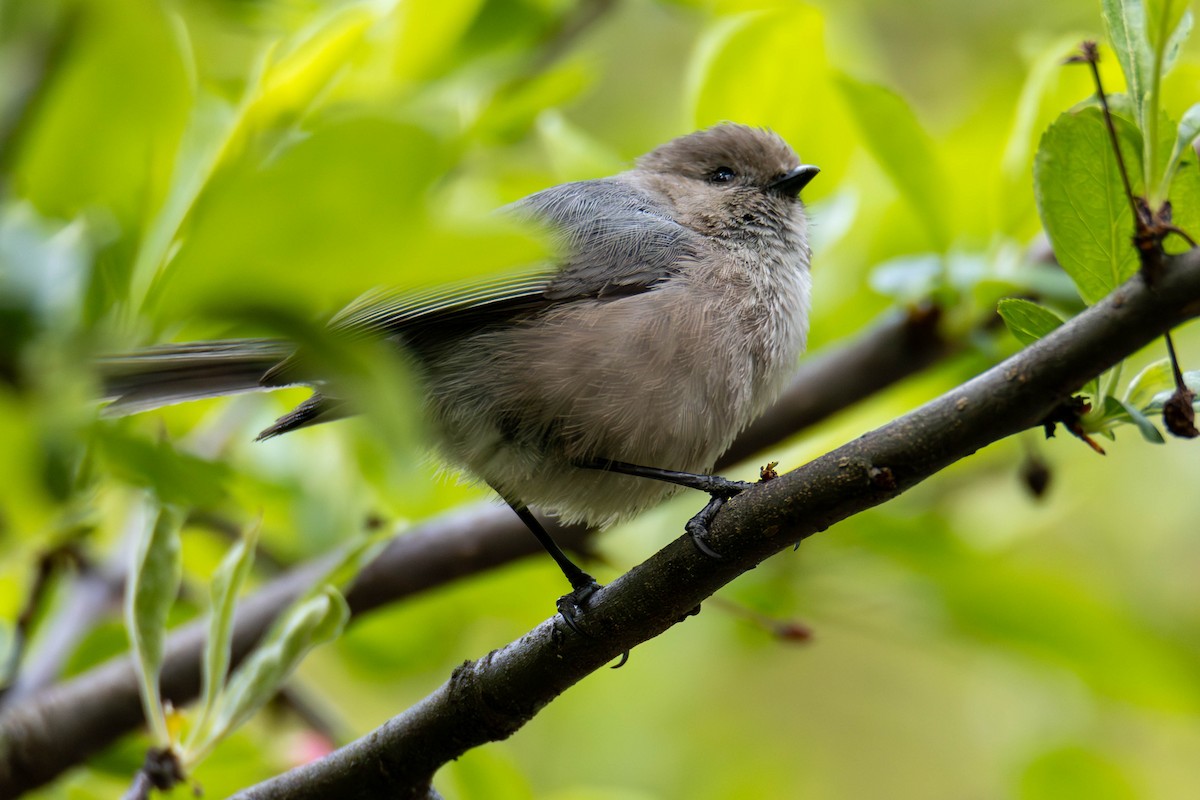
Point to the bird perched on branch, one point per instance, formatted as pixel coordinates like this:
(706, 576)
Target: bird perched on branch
(594, 389)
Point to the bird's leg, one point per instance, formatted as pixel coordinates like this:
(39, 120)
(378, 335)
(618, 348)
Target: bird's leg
(717, 488)
(583, 585)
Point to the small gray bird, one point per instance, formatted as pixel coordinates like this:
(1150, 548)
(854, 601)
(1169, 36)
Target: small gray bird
(673, 317)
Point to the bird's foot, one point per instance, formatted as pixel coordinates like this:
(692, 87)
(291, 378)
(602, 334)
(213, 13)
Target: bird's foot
(697, 526)
(573, 606)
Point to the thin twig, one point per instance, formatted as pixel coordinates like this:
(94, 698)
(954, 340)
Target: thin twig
(1091, 55)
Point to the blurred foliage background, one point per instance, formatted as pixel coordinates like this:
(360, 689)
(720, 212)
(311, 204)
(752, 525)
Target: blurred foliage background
(183, 169)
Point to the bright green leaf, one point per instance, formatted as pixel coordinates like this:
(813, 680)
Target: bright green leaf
(784, 89)
(426, 31)
(154, 575)
(903, 148)
(1027, 321)
(251, 233)
(109, 118)
(308, 63)
(227, 581)
(1082, 201)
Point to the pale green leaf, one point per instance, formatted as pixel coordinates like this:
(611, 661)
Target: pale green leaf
(1149, 432)
(227, 581)
(1188, 132)
(1082, 201)
(154, 575)
(1177, 39)
(1126, 22)
(304, 626)
(904, 149)
(1190, 379)
(1027, 321)
(1154, 378)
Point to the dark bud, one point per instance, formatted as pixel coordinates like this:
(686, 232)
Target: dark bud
(1035, 474)
(793, 631)
(1088, 53)
(1070, 415)
(163, 769)
(1179, 414)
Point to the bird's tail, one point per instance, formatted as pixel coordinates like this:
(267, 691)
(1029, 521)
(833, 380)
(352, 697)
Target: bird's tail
(162, 376)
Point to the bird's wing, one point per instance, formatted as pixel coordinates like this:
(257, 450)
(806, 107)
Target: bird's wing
(614, 239)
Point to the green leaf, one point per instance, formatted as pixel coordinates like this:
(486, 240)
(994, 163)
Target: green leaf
(1082, 201)
(1076, 771)
(1188, 132)
(227, 581)
(210, 136)
(173, 476)
(1164, 21)
(154, 575)
(904, 150)
(426, 31)
(1154, 378)
(1177, 39)
(1190, 379)
(1044, 71)
(1026, 320)
(1144, 425)
(304, 626)
(1126, 22)
(1169, 27)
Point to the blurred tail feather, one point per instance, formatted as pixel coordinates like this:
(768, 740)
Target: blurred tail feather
(162, 376)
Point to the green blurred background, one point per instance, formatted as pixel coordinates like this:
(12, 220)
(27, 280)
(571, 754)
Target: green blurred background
(194, 169)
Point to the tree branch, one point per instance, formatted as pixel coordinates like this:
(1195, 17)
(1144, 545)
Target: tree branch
(489, 699)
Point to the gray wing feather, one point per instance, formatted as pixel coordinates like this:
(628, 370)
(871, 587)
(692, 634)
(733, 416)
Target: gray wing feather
(615, 239)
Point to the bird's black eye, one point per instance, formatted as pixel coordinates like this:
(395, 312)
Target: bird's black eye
(722, 175)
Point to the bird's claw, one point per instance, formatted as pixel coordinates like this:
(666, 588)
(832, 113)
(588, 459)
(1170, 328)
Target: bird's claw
(697, 526)
(572, 606)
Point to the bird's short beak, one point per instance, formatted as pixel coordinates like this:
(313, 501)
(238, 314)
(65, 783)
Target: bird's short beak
(794, 181)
